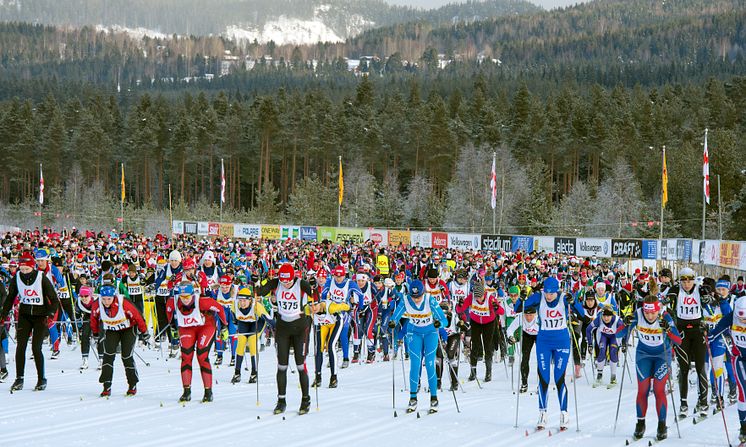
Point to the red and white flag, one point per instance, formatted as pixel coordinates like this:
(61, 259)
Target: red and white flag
(41, 185)
(222, 182)
(706, 171)
(493, 184)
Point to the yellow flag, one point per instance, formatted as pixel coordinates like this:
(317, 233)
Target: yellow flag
(122, 182)
(664, 199)
(341, 182)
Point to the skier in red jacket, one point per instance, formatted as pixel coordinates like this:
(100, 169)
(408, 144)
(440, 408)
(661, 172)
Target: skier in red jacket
(196, 321)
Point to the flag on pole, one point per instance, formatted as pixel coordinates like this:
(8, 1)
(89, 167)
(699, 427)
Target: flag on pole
(664, 200)
(341, 182)
(222, 181)
(123, 193)
(706, 171)
(41, 185)
(493, 184)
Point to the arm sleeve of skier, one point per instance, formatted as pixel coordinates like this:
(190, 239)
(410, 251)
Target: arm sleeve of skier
(531, 301)
(398, 314)
(267, 287)
(672, 333)
(210, 305)
(514, 325)
(497, 305)
(327, 286)
(438, 313)
(722, 326)
(464, 306)
(50, 296)
(9, 300)
(134, 316)
(95, 314)
(589, 330)
(169, 310)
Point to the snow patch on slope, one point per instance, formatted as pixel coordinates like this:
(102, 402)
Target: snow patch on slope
(135, 33)
(286, 30)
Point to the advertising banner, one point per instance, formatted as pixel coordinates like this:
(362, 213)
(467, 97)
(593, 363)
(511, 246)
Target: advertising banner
(495, 242)
(247, 231)
(213, 229)
(601, 248)
(650, 249)
(354, 235)
(226, 230)
(464, 241)
(525, 243)
(730, 254)
(190, 227)
(564, 245)
(626, 248)
(202, 229)
(271, 232)
(178, 227)
(397, 237)
(308, 233)
(422, 239)
(377, 236)
(439, 240)
(326, 233)
(544, 243)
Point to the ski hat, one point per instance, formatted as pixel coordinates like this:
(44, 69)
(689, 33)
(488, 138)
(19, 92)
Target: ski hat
(530, 310)
(432, 273)
(41, 255)
(85, 291)
(651, 307)
(739, 309)
(416, 288)
(225, 280)
(687, 273)
(244, 293)
(107, 291)
(208, 256)
(361, 277)
(27, 260)
(722, 283)
(514, 290)
(551, 285)
(608, 311)
(388, 282)
(132, 268)
(188, 263)
(339, 271)
(174, 256)
(286, 272)
(185, 288)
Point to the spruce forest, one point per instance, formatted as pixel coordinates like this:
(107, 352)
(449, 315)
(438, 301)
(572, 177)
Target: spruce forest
(576, 104)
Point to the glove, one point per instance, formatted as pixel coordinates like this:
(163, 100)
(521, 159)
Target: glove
(145, 337)
(664, 325)
(392, 324)
(590, 349)
(312, 282)
(703, 326)
(462, 326)
(511, 340)
(570, 298)
(624, 347)
(628, 320)
(224, 333)
(436, 323)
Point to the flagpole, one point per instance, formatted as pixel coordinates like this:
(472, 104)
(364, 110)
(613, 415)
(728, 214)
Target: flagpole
(720, 212)
(339, 202)
(502, 193)
(704, 193)
(222, 188)
(41, 195)
(170, 209)
(121, 204)
(663, 174)
(494, 157)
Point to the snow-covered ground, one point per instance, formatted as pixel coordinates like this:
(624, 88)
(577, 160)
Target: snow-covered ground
(359, 412)
(138, 33)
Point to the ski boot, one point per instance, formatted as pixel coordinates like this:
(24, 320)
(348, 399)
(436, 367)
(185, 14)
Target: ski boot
(3, 374)
(253, 377)
(371, 357)
(233, 361)
(599, 380)
(433, 405)
(386, 358)
(333, 381)
(412, 405)
(488, 373)
(578, 368)
(317, 381)
(472, 374)
(356, 357)
(84, 365)
(639, 429)
(742, 433)
(564, 420)
(702, 407)
(41, 385)
(440, 384)
(131, 391)
(173, 351)
(732, 394)
(542, 423)
(454, 386)
(524, 388)
(305, 405)
(281, 406)
(186, 396)
(208, 396)
(219, 360)
(106, 392)
(345, 363)
(613, 380)
(511, 361)
(17, 384)
(55, 354)
(236, 377)
(662, 432)
(683, 409)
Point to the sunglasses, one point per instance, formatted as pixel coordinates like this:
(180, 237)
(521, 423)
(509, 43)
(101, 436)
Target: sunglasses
(687, 278)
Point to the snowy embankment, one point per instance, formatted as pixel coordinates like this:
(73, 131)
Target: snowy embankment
(359, 412)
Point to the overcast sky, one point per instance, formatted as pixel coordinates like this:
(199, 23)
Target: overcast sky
(548, 4)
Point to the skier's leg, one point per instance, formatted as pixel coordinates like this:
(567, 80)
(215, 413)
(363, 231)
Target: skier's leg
(128, 340)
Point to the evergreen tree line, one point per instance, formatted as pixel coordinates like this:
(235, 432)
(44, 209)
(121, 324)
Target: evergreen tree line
(576, 160)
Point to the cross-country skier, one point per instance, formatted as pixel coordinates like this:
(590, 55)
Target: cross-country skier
(330, 314)
(606, 326)
(226, 297)
(425, 317)
(251, 319)
(85, 303)
(482, 310)
(195, 317)
(37, 303)
(529, 326)
(712, 313)
(116, 320)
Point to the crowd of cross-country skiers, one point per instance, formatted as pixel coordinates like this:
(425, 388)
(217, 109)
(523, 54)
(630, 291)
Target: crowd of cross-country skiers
(218, 298)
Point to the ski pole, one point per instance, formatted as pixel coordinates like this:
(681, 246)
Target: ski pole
(393, 380)
(520, 355)
(316, 338)
(621, 387)
(445, 354)
(140, 357)
(257, 335)
(717, 388)
(669, 360)
(574, 382)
